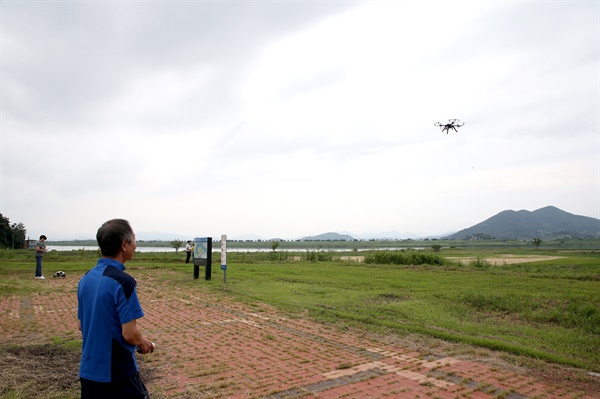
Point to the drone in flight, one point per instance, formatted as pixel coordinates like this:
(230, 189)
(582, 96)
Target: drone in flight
(454, 124)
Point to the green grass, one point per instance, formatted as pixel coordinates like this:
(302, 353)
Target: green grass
(548, 310)
(556, 319)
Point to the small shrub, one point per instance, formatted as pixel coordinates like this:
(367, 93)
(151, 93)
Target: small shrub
(406, 258)
(319, 256)
(480, 263)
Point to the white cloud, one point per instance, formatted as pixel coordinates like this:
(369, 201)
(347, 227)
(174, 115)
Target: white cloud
(290, 119)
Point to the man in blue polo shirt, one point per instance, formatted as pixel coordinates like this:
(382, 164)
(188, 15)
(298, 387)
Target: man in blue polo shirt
(108, 308)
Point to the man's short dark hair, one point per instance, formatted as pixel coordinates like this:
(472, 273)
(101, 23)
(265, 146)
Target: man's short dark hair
(111, 234)
(44, 237)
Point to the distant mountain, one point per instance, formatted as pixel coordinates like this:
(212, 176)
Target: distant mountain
(329, 237)
(545, 223)
(386, 235)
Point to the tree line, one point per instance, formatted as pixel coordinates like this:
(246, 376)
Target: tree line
(11, 235)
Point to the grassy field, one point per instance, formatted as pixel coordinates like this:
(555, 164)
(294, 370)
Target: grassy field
(547, 310)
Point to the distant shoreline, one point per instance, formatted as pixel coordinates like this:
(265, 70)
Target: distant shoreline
(355, 245)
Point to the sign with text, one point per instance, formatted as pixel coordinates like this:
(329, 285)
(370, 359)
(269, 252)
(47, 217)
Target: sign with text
(203, 256)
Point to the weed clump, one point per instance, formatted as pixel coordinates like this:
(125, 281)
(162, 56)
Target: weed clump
(413, 258)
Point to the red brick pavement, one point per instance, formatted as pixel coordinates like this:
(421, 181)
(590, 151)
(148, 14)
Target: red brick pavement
(209, 346)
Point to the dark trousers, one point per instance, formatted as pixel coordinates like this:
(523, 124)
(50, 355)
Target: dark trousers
(187, 256)
(38, 266)
(131, 388)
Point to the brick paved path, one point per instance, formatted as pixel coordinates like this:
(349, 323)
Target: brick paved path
(209, 346)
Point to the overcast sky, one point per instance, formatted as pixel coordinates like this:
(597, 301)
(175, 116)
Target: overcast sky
(288, 119)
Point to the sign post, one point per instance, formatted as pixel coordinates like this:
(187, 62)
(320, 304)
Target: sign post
(224, 256)
(203, 256)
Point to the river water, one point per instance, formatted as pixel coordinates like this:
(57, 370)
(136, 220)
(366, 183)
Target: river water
(146, 249)
(218, 249)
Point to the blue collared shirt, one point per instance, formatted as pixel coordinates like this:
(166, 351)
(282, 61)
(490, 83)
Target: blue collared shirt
(107, 299)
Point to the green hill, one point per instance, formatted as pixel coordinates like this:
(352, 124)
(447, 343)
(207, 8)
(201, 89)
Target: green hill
(545, 223)
(329, 237)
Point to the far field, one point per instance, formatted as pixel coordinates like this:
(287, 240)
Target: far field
(578, 244)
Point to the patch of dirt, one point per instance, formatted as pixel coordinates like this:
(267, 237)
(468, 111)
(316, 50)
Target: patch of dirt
(38, 371)
(353, 258)
(510, 259)
(45, 371)
(502, 260)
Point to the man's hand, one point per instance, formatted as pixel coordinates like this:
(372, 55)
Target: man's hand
(146, 346)
(133, 336)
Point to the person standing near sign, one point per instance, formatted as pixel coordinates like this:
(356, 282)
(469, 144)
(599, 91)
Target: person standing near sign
(108, 309)
(40, 250)
(188, 251)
